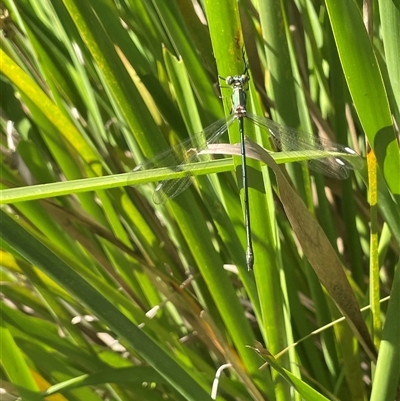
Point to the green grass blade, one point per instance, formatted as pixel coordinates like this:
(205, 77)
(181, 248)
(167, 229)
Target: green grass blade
(367, 89)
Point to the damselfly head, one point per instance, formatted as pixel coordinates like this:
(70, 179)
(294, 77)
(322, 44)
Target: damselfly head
(237, 80)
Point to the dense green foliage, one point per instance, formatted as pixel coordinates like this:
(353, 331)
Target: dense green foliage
(108, 296)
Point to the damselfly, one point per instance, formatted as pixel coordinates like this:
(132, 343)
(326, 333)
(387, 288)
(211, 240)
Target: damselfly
(334, 160)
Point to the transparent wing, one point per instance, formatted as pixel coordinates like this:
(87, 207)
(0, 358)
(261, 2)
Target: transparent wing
(182, 154)
(336, 160)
